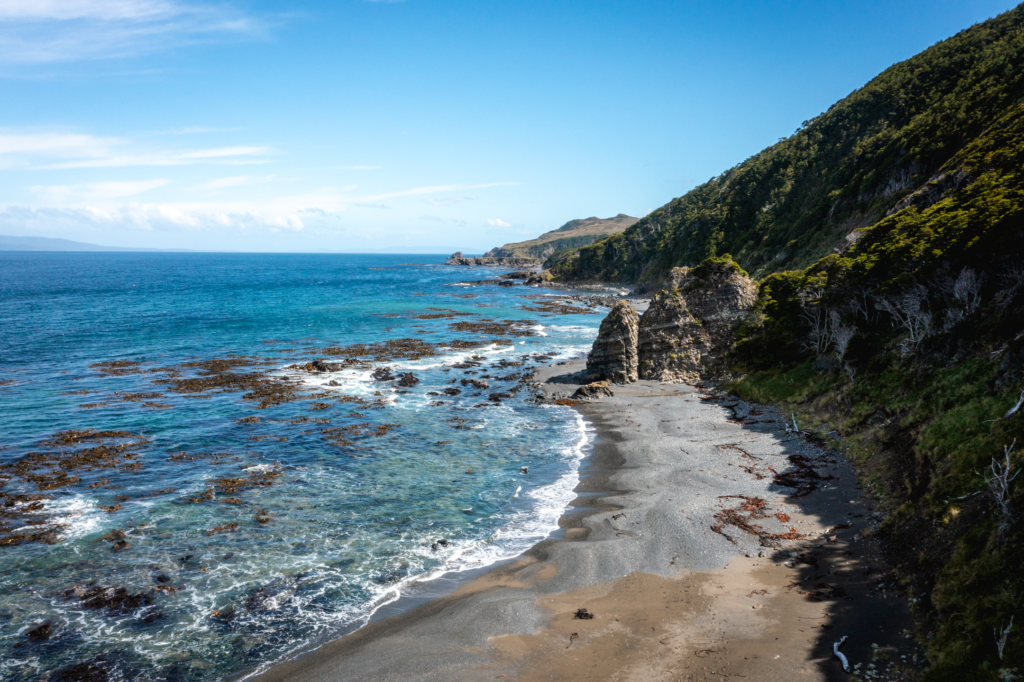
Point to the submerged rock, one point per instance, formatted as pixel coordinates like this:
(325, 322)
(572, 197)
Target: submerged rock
(614, 354)
(40, 632)
(321, 366)
(117, 600)
(97, 669)
(689, 325)
(597, 389)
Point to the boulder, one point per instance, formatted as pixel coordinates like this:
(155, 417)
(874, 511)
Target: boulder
(592, 391)
(614, 354)
(408, 379)
(321, 366)
(689, 326)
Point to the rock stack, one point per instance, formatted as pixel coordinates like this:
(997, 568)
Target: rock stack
(685, 332)
(614, 355)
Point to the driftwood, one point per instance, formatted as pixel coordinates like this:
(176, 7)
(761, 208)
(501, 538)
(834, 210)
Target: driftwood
(842, 657)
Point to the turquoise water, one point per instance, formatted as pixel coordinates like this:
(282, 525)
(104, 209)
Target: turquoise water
(183, 500)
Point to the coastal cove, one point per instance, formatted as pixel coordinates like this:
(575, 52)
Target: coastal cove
(243, 454)
(654, 549)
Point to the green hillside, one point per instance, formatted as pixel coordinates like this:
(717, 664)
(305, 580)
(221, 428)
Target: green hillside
(573, 235)
(842, 171)
(910, 346)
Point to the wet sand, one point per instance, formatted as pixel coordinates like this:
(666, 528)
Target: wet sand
(654, 547)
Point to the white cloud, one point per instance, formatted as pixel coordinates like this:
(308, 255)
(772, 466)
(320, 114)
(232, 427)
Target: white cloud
(63, 10)
(282, 213)
(65, 30)
(57, 150)
(498, 222)
(436, 189)
(451, 201)
(93, 191)
(152, 217)
(235, 181)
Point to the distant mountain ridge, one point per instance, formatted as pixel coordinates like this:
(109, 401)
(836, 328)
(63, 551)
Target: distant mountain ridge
(11, 243)
(573, 235)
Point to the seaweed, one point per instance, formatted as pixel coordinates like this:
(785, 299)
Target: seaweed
(743, 516)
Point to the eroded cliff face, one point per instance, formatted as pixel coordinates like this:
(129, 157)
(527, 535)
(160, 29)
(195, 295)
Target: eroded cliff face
(614, 355)
(689, 326)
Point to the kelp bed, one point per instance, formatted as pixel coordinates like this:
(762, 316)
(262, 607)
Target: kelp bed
(78, 458)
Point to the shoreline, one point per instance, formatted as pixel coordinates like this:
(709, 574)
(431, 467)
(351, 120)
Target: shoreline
(423, 591)
(651, 573)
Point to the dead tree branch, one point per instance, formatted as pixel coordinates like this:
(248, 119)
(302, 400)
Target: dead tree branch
(1012, 411)
(1001, 637)
(999, 486)
(908, 311)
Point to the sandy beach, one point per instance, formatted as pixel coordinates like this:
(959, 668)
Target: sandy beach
(705, 542)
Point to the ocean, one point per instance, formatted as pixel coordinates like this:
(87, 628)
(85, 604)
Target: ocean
(211, 461)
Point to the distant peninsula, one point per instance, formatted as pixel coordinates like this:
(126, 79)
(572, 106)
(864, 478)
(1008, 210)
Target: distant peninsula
(9, 243)
(573, 235)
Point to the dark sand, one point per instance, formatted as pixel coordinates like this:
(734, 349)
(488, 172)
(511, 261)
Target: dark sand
(672, 599)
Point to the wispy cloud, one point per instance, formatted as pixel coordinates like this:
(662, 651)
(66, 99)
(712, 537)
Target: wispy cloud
(94, 191)
(283, 213)
(57, 150)
(115, 205)
(436, 189)
(498, 222)
(235, 181)
(450, 201)
(69, 30)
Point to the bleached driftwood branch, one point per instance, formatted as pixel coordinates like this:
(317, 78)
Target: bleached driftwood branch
(840, 654)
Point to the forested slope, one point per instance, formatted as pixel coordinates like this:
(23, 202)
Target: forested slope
(909, 346)
(846, 169)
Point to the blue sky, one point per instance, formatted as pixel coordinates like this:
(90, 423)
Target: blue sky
(416, 125)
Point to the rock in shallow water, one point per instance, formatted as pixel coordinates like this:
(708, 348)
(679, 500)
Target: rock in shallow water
(40, 632)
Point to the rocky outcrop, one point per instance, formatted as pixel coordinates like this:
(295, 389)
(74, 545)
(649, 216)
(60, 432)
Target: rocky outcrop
(689, 326)
(493, 261)
(614, 354)
(321, 366)
(592, 391)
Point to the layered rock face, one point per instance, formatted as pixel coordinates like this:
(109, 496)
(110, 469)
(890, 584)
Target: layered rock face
(593, 391)
(689, 325)
(614, 355)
